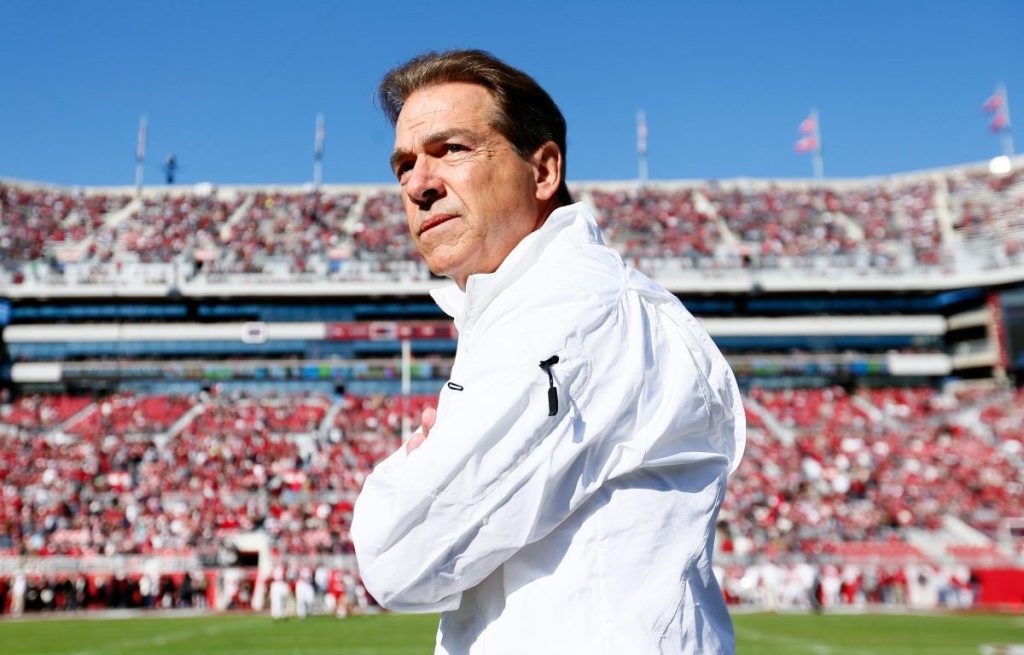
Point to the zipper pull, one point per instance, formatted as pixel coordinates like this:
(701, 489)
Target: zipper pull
(552, 392)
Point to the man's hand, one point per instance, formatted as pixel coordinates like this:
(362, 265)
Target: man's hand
(428, 417)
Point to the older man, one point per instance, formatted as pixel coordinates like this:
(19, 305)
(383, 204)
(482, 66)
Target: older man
(566, 497)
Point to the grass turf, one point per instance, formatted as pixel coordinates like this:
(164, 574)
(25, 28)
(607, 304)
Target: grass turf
(756, 634)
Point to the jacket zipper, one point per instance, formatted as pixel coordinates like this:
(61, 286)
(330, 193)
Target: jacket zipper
(552, 392)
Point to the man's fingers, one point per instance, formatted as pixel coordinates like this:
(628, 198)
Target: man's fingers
(415, 441)
(428, 417)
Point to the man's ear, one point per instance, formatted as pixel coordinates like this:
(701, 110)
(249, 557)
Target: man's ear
(547, 170)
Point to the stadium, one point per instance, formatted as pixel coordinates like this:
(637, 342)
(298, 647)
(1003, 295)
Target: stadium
(215, 325)
(196, 381)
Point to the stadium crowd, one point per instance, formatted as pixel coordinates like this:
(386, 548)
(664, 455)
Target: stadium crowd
(165, 474)
(290, 228)
(830, 479)
(36, 221)
(990, 209)
(127, 474)
(965, 216)
(864, 469)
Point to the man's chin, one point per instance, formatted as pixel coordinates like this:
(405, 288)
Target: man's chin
(442, 262)
(442, 269)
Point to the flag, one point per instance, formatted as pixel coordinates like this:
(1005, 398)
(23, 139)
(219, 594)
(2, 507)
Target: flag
(810, 141)
(997, 107)
(808, 129)
(806, 144)
(994, 103)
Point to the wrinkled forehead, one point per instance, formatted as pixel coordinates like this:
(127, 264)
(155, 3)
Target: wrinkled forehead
(442, 107)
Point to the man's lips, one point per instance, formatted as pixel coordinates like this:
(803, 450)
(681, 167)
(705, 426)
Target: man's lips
(433, 221)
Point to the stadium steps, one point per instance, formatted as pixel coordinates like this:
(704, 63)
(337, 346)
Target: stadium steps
(355, 213)
(184, 421)
(871, 411)
(328, 421)
(237, 215)
(785, 435)
(943, 211)
(970, 416)
(963, 533)
(932, 543)
(705, 206)
(983, 556)
(75, 418)
(954, 532)
(120, 251)
(78, 251)
(114, 219)
(120, 216)
(853, 230)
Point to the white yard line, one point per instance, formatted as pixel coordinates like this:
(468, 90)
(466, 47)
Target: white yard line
(805, 645)
(164, 638)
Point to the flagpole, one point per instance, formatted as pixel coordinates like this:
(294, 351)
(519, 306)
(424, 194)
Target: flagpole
(641, 146)
(818, 162)
(140, 153)
(1007, 136)
(318, 152)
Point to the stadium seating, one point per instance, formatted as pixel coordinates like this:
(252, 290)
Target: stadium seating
(834, 486)
(163, 229)
(35, 220)
(116, 480)
(989, 209)
(987, 555)
(865, 469)
(142, 474)
(829, 476)
(964, 217)
(291, 229)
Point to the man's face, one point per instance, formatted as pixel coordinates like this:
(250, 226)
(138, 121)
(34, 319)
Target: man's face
(469, 196)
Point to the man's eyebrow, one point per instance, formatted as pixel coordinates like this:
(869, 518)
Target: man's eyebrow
(456, 132)
(398, 155)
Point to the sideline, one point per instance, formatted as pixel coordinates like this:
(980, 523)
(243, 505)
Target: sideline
(121, 614)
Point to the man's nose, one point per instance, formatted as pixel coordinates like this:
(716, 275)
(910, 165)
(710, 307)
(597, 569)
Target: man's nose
(424, 185)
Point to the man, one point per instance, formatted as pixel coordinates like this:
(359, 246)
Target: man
(280, 593)
(563, 498)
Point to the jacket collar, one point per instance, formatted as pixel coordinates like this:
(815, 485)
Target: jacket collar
(571, 223)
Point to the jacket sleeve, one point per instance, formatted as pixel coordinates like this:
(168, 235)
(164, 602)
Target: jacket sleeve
(496, 473)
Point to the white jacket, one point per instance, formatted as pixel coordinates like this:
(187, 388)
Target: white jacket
(589, 531)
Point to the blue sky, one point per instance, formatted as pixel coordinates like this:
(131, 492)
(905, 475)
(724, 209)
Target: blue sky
(232, 88)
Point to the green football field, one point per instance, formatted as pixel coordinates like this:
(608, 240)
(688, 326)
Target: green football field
(768, 634)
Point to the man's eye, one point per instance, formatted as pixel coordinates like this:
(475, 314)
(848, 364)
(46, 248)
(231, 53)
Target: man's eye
(454, 147)
(402, 169)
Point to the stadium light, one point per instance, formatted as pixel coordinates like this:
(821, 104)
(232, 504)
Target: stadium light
(204, 188)
(1000, 165)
